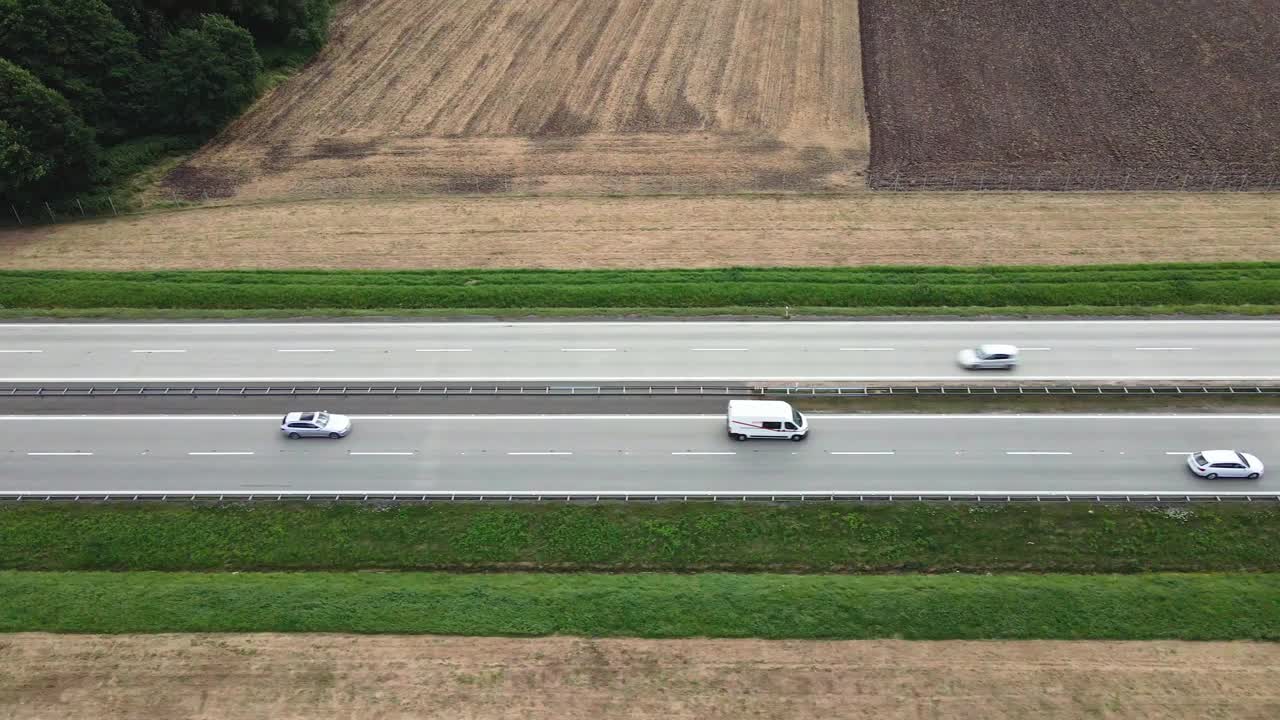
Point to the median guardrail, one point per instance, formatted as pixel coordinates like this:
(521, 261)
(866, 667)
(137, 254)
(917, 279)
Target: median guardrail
(635, 389)
(636, 497)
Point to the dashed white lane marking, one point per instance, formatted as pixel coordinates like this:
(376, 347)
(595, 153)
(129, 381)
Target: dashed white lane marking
(149, 352)
(381, 453)
(443, 350)
(59, 454)
(553, 452)
(1177, 452)
(1035, 452)
(222, 453)
(867, 349)
(703, 453)
(862, 452)
(1169, 349)
(21, 352)
(717, 349)
(304, 350)
(1036, 349)
(588, 349)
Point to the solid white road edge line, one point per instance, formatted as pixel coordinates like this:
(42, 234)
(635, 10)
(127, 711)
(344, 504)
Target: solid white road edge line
(697, 416)
(59, 454)
(1035, 452)
(357, 452)
(433, 350)
(688, 452)
(860, 452)
(148, 352)
(543, 380)
(553, 452)
(21, 352)
(216, 452)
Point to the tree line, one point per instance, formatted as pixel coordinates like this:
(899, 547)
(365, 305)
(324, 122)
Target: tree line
(78, 76)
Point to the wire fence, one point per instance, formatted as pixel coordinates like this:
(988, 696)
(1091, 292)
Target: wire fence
(840, 181)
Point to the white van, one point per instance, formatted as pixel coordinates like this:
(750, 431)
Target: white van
(766, 419)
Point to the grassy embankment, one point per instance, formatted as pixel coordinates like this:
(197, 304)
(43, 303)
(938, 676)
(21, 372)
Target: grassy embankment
(1244, 288)
(54, 557)
(665, 537)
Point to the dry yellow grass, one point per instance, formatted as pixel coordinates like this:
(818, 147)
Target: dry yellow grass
(230, 677)
(557, 96)
(669, 232)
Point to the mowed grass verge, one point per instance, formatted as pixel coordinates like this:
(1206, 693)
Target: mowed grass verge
(1219, 287)
(1130, 607)
(826, 538)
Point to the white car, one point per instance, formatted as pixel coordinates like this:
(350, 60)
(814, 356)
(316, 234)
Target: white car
(1213, 464)
(989, 357)
(315, 424)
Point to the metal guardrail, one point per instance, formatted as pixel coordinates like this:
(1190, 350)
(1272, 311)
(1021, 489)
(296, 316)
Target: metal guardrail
(941, 389)
(638, 497)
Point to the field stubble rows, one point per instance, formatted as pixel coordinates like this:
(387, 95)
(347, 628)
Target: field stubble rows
(668, 232)
(463, 96)
(236, 676)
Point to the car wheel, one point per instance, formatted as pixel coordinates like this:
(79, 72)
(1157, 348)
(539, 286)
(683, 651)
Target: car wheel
(294, 436)
(1253, 476)
(1211, 476)
(334, 436)
(739, 437)
(797, 438)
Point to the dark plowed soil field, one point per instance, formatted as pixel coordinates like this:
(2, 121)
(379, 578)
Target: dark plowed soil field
(1088, 94)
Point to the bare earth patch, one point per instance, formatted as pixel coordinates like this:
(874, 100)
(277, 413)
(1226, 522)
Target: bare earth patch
(553, 96)
(669, 232)
(396, 677)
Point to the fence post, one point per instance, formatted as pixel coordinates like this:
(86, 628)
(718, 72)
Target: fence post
(1244, 181)
(1125, 186)
(113, 206)
(80, 206)
(205, 194)
(896, 178)
(1184, 181)
(15, 213)
(982, 179)
(1214, 184)
(50, 210)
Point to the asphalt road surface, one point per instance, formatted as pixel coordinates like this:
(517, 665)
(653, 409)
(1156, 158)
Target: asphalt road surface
(632, 351)
(611, 453)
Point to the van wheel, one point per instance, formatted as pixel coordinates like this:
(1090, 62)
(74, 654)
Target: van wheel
(294, 436)
(739, 437)
(797, 438)
(1211, 476)
(1253, 476)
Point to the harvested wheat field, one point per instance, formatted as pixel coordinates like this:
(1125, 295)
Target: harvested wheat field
(668, 232)
(1090, 94)
(584, 96)
(397, 677)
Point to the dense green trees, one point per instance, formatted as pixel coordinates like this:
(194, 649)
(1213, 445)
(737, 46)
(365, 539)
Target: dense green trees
(205, 74)
(74, 73)
(44, 145)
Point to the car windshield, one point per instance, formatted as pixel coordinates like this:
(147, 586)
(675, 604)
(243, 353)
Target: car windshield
(982, 353)
(798, 418)
(1198, 458)
(322, 419)
(1243, 460)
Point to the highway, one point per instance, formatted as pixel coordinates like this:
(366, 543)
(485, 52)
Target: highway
(632, 351)
(611, 453)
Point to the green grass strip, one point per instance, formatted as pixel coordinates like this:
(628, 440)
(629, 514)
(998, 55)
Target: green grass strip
(1128, 607)
(1020, 288)
(818, 537)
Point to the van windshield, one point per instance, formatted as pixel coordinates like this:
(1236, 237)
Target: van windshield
(797, 418)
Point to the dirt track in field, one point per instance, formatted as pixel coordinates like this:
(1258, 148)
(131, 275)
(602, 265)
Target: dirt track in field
(669, 232)
(1091, 94)
(229, 677)
(554, 96)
